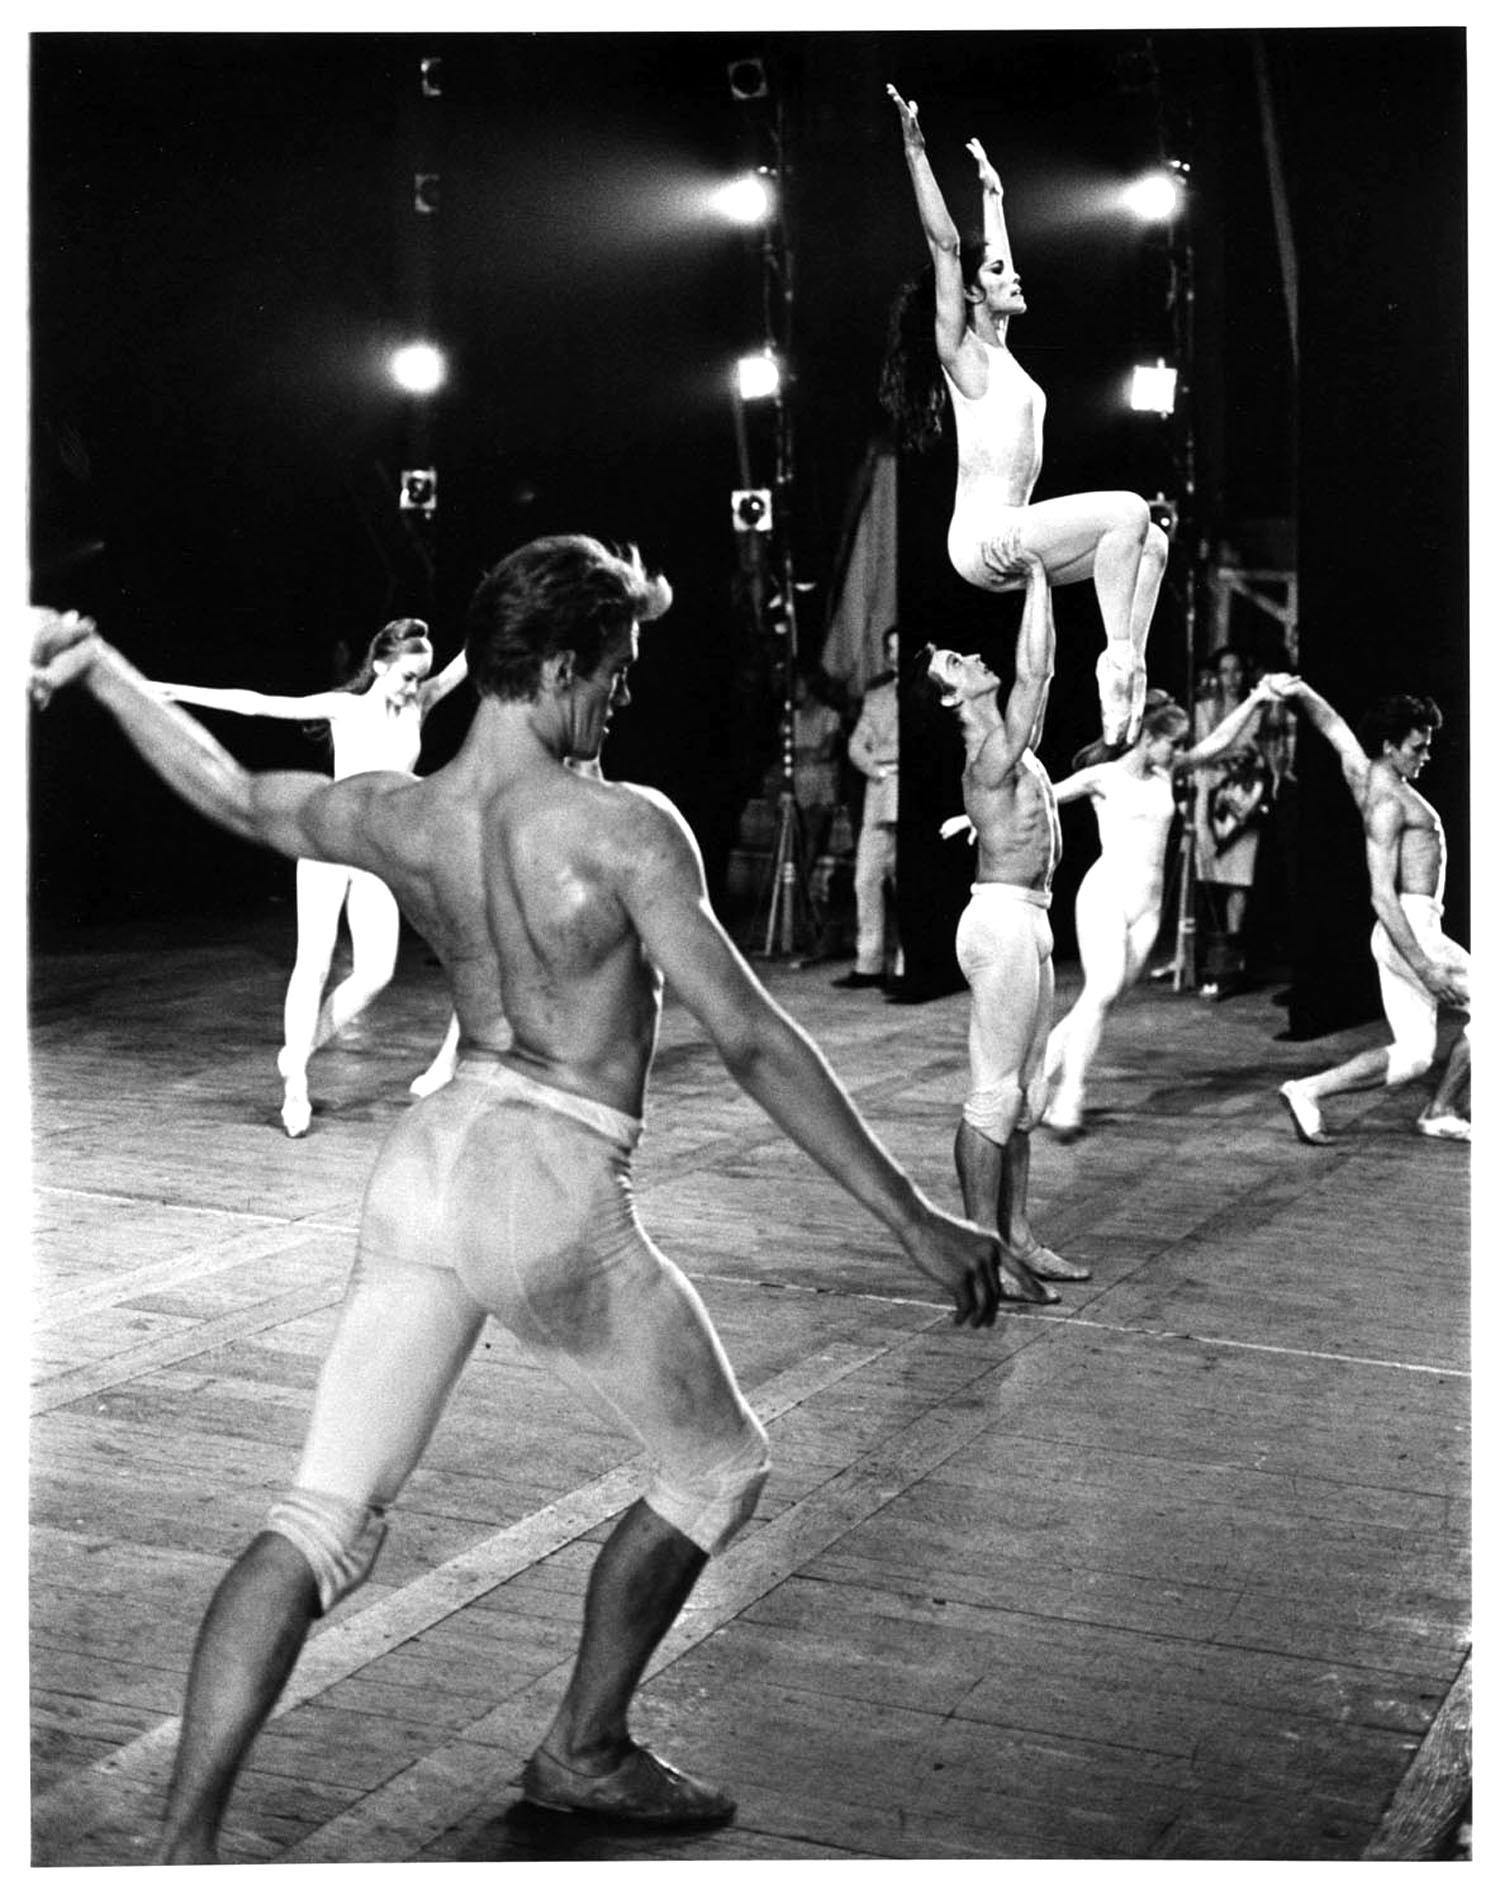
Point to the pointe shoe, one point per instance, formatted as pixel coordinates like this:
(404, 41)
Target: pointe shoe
(644, 1790)
(296, 1111)
(431, 1080)
(1306, 1118)
(1117, 697)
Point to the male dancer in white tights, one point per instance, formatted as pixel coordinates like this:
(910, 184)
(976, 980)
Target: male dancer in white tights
(507, 1192)
(1004, 941)
(1419, 967)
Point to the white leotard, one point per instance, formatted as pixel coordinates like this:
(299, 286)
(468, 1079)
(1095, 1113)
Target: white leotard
(999, 459)
(1134, 814)
(375, 736)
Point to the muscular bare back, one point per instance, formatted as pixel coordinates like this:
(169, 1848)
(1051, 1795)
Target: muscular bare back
(522, 877)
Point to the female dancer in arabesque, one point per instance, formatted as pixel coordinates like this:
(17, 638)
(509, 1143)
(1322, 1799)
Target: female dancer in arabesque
(948, 331)
(1118, 908)
(375, 723)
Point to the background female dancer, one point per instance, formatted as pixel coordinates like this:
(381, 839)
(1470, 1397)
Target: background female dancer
(1118, 908)
(948, 328)
(375, 725)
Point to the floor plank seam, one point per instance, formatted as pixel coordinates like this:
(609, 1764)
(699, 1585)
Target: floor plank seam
(343, 1650)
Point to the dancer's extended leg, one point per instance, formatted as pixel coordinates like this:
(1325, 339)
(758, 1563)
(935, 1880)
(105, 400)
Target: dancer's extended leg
(321, 889)
(1108, 537)
(374, 934)
(1114, 952)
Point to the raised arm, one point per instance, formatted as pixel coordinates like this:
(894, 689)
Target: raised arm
(437, 689)
(1036, 651)
(1234, 725)
(781, 1069)
(941, 233)
(240, 699)
(1352, 756)
(996, 237)
(301, 814)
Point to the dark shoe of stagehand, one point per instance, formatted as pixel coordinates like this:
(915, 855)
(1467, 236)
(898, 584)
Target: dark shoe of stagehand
(858, 980)
(644, 1791)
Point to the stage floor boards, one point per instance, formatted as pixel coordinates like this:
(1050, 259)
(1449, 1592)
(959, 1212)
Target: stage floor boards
(1178, 1569)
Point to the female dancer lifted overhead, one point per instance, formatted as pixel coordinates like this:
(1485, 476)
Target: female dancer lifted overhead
(948, 328)
(375, 722)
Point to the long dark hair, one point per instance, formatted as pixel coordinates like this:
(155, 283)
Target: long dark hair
(912, 391)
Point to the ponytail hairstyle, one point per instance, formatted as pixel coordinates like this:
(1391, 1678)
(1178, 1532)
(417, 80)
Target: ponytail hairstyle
(912, 391)
(395, 637)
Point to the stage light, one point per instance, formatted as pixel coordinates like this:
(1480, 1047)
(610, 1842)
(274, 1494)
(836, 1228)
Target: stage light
(747, 79)
(752, 511)
(747, 200)
(419, 491)
(418, 368)
(1157, 196)
(759, 376)
(1153, 387)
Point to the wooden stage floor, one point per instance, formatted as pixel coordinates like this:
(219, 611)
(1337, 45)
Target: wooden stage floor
(1177, 1570)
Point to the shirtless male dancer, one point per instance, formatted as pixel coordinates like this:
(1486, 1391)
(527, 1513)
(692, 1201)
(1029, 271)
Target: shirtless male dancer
(1004, 940)
(569, 900)
(1418, 966)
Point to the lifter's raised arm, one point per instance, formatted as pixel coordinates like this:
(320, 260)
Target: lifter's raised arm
(1352, 756)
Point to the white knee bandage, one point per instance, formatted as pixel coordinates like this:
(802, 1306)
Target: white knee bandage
(340, 1540)
(1406, 1060)
(995, 1113)
(713, 1502)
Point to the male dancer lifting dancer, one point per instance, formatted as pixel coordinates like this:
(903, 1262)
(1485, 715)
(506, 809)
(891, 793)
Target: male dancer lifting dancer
(1419, 968)
(569, 900)
(1004, 941)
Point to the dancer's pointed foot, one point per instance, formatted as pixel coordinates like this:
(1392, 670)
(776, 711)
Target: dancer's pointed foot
(1117, 696)
(1307, 1119)
(296, 1109)
(1444, 1127)
(437, 1076)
